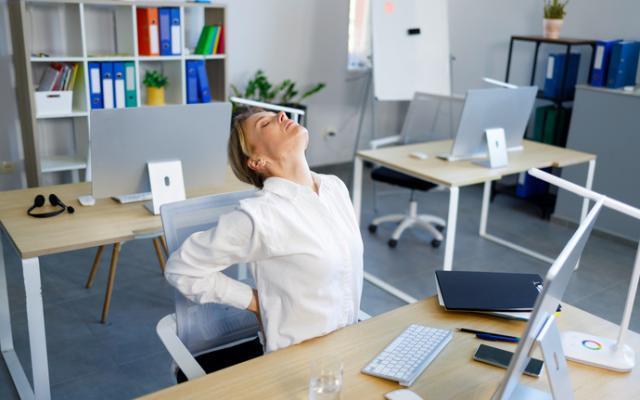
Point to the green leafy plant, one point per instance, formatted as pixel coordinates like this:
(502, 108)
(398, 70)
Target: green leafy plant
(259, 88)
(154, 79)
(555, 9)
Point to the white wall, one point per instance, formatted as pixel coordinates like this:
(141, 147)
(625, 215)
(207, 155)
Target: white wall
(10, 139)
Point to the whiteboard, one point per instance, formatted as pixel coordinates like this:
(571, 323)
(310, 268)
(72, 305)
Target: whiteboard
(410, 43)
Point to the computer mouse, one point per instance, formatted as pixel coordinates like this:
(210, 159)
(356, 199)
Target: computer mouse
(402, 394)
(419, 155)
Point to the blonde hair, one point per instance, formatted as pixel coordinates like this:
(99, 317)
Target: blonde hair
(239, 151)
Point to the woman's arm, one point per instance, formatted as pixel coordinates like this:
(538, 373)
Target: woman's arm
(195, 268)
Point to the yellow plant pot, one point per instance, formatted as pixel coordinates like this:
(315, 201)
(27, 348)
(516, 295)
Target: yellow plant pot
(155, 96)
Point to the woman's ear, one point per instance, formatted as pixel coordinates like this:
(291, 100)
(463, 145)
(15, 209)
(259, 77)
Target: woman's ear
(259, 165)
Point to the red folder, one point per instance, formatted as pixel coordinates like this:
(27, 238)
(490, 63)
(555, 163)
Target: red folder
(148, 35)
(221, 42)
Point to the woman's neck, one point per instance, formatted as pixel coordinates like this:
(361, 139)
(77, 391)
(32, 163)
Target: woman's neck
(295, 170)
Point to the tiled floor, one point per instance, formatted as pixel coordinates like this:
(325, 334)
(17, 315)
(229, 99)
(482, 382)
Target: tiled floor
(124, 359)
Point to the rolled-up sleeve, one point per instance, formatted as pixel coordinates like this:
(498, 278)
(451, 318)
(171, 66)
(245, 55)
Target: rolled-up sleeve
(195, 268)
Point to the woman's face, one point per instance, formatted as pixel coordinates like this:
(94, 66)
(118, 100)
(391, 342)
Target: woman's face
(272, 137)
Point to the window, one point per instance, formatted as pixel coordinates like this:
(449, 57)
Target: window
(359, 35)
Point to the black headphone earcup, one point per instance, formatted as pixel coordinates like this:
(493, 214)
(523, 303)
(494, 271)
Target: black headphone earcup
(38, 201)
(54, 200)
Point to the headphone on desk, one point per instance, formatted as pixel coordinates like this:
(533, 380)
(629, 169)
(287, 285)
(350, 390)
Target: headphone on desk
(55, 201)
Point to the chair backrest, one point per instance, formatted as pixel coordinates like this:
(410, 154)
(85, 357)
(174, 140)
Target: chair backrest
(431, 117)
(202, 327)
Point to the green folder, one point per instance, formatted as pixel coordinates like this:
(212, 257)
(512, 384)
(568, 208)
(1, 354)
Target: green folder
(205, 42)
(130, 91)
(548, 136)
(538, 124)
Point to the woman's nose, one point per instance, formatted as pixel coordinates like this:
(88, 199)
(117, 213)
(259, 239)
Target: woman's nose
(281, 116)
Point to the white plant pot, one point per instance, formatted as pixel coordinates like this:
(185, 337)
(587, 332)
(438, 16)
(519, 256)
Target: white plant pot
(552, 28)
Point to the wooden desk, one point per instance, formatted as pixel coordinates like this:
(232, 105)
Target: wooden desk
(456, 174)
(104, 223)
(452, 375)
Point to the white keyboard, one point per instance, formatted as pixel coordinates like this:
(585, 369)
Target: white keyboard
(404, 359)
(133, 197)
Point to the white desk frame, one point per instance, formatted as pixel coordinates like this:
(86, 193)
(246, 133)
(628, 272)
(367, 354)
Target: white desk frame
(37, 336)
(452, 218)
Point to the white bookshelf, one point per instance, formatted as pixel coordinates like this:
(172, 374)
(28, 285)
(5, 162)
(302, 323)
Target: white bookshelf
(56, 146)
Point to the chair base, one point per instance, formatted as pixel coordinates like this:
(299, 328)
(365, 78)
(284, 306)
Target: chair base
(432, 224)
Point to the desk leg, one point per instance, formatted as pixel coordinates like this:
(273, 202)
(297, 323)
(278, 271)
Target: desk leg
(357, 187)
(35, 320)
(452, 219)
(9, 355)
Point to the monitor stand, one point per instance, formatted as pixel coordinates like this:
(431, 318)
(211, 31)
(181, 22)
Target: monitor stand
(555, 364)
(497, 147)
(167, 184)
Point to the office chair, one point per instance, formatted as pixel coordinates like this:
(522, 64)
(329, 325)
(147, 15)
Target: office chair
(202, 338)
(426, 116)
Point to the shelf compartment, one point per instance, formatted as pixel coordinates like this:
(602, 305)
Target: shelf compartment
(53, 29)
(194, 20)
(173, 70)
(216, 75)
(79, 101)
(117, 22)
(63, 145)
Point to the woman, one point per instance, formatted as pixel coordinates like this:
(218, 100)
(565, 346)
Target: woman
(299, 233)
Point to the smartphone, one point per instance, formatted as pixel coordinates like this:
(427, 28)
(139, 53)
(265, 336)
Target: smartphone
(502, 358)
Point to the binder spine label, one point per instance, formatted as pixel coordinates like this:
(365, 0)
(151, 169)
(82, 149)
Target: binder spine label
(550, 62)
(95, 80)
(597, 64)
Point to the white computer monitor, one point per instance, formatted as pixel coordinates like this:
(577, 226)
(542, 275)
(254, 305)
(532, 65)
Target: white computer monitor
(124, 141)
(541, 327)
(484, 109)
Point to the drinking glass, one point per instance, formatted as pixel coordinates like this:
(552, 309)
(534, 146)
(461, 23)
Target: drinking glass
(325, 379)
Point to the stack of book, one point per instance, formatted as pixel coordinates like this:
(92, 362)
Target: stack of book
(211, 40)
(615, 63)
(58, 77)
(505, 295)
(159, 31)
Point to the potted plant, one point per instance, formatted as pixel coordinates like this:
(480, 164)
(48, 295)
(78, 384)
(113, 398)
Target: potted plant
(155, 82)
(259, 88)
(554, 12)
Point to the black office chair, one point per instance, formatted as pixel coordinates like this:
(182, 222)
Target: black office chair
(422, 121)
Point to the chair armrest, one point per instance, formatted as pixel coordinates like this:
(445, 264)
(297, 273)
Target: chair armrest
(375, 143)
(166, 329)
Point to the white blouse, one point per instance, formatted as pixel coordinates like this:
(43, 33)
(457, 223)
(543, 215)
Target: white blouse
(305, 253)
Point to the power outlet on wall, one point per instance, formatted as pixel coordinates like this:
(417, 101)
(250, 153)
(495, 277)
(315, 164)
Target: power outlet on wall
(329, 133)
(7, 167)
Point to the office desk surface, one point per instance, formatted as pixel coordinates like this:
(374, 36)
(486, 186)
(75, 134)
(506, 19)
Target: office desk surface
(104, 223)
(452, 375)
(462, 173)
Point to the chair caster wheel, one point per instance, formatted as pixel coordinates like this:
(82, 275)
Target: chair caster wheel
(392, 243)
(373, 228)
(440, 228)
(435, 243)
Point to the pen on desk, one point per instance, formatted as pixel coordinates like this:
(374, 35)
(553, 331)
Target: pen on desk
(494, 336)
(497, 338)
